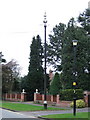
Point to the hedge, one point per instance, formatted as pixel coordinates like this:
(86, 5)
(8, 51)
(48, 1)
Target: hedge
(68, 94)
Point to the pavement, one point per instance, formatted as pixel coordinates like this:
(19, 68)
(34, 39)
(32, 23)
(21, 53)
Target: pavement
(41, 113)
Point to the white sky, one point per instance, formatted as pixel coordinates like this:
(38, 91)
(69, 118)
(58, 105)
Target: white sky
(20, 20)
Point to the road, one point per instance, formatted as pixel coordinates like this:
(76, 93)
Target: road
(10, 115)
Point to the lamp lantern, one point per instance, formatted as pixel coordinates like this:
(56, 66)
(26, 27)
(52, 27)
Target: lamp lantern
(75, 42)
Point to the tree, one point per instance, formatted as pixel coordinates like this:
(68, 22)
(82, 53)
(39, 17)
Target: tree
(24, 83)
(55, 46)
(2, 60)
(71, 33)
(10, 75)
(65, 55)
(55, 85)
(84, 20)
(36, 73)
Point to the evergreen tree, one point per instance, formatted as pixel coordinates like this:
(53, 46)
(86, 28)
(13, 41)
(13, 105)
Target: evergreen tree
(65, 54)
(55, 85)
(84, 20)
(74, 32)
(35, 76)
(55, 46)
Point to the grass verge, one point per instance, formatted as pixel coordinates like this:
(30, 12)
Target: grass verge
(69, 115)
(25, 107)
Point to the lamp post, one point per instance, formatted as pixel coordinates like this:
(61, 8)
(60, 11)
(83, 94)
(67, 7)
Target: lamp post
(75, 74)
(45, 101)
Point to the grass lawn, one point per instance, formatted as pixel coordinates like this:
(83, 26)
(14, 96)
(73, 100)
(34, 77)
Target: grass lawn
(25, 107)
(70, 115)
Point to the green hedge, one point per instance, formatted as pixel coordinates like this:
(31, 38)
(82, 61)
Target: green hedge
(68, 94)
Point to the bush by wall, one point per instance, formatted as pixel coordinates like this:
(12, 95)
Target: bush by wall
(68, 94)
(79, 104)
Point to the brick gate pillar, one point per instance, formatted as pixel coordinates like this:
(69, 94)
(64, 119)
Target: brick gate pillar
(57, 99)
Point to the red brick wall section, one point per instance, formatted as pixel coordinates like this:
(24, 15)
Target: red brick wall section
(8, 95)
(39, 97)
(54, 98)
(14, 97)
(48, 97)
(18, 96)
(51, 98)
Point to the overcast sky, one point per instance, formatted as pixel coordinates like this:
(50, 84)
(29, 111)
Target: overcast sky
(20, 20)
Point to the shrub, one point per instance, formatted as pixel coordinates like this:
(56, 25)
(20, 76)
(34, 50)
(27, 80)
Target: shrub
(79, 104)
(68, 94)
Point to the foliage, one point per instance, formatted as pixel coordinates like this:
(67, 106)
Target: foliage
(68, 94)
(10, 76)
(84, 20)
(79, 104)
(2, 60)
(61, 54)
(24, 83)
(55, 85)
(55, 46)
(35, 77)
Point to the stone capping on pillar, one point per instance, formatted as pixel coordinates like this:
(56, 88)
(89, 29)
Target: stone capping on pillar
(23, 95)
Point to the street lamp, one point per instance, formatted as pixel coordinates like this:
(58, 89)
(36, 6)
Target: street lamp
(75, 42)
(45, 101)
(75, 74)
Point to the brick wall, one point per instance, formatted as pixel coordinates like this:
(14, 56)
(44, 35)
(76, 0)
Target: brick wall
(55, 99)
(14, 97)
(50, 98)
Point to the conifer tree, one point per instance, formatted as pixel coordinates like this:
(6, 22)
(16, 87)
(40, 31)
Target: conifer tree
(61, 51)
(84, 20)
(55, 85)
(35, 71)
